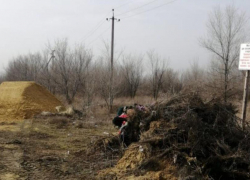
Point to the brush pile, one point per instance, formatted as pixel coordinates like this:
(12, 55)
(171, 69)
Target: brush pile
(190, 140)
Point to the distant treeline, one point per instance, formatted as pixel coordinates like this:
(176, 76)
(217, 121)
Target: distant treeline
(75, 71)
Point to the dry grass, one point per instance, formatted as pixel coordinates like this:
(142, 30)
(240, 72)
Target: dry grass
(60, 121)
(99, 109)
(49, 148)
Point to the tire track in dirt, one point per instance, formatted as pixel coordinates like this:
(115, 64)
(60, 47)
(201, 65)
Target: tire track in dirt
(10, 164)
(12, 153)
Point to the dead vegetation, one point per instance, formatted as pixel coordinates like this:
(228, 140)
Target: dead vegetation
(188, 139)
(191, 140)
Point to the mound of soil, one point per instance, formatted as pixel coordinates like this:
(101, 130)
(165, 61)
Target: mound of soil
(23, 100)
(190, 139)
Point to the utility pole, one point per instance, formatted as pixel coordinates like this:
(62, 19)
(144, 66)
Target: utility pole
(244, 62)
(111, 93)
(245, 97)
(52, 57)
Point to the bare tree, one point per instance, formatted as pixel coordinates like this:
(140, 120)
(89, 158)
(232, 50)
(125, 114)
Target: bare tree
(91, 83)
(82, 65)
(102, 77)
(225, 32)
(103, 68)
(45, 76)
(24, 68)
(158, 68)
(172, 83)
(132, 73)
(106, 88)
(194, 78)
(2, 78)
(69, 69)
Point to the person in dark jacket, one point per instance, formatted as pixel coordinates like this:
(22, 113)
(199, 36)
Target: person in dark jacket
(121, 116)
(117, 121)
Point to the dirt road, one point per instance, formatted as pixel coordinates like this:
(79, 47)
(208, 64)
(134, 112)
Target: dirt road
(52, 148)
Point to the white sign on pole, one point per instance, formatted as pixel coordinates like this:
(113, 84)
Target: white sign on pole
(244, 63)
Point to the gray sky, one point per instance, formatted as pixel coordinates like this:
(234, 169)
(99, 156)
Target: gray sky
(172, 30)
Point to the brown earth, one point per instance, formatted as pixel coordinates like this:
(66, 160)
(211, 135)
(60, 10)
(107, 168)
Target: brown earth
(23, 100)
(52, 148)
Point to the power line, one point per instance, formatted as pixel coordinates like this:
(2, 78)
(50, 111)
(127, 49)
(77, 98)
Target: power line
(99, 36)
(124, 4)
(138, 7)
(93, 30)
(150, 9)
(102, 22)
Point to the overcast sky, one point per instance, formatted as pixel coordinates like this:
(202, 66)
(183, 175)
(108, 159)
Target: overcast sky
(172, 30)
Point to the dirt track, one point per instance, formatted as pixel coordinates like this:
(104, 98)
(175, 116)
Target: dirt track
(49, 149)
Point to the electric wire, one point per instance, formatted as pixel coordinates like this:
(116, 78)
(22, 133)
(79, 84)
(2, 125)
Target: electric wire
(118, 7)
(149, 9)
(138, 7)
(99, 36)
(90, 33)
(93, 30)
(100, 23)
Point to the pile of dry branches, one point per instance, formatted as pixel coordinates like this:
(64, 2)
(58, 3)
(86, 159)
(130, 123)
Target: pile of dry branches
(189, 139)
(203, 140)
